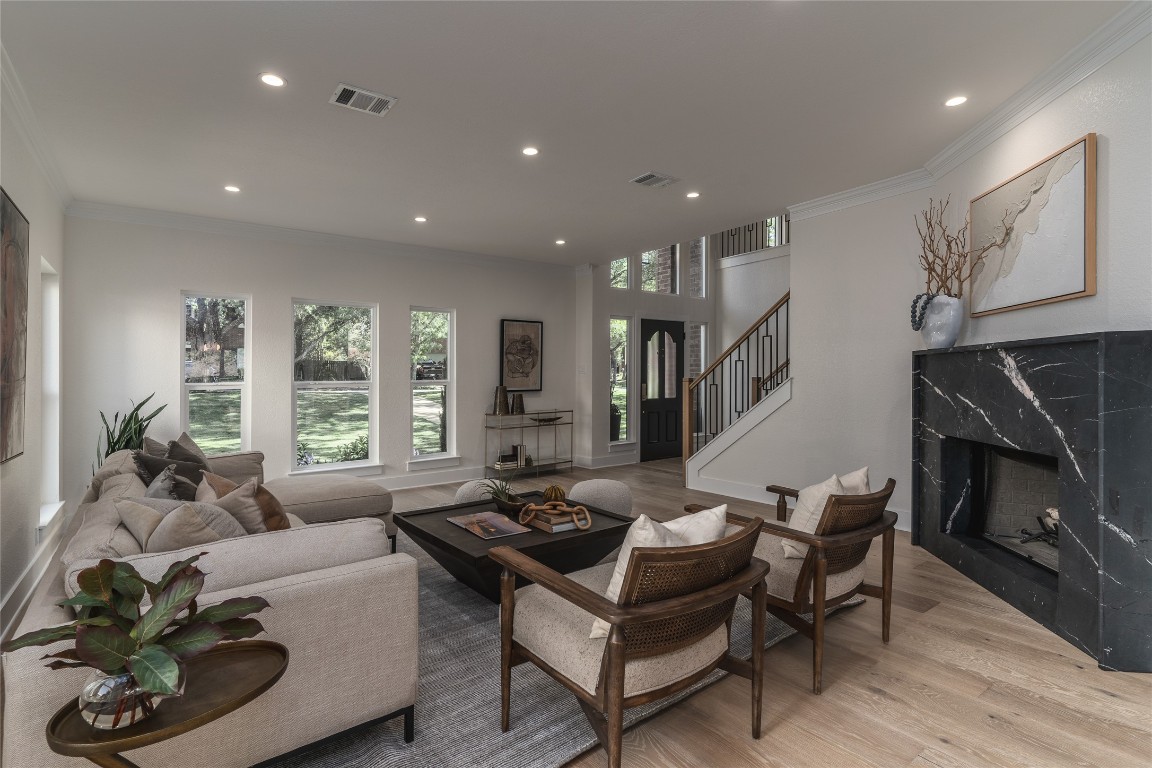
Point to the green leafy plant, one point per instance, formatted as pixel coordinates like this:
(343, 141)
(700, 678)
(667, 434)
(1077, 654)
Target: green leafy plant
(500, 487)
(115, 635)
(127, 434)
(356, 450)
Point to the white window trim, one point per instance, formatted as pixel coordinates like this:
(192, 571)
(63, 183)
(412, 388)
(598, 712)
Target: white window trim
(244, 386)
(631, 269)
(449, 457)
(373, 393)
(633, 385)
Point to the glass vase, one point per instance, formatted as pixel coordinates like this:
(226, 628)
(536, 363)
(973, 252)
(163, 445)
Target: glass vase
(110, 701)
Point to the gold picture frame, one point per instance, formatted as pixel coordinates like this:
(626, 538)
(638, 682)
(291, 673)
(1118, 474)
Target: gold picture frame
(1036, 233)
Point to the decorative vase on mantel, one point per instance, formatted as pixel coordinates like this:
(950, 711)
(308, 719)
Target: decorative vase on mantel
(942, 320)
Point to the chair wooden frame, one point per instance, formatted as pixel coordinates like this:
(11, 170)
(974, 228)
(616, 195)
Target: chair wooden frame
(642, 626)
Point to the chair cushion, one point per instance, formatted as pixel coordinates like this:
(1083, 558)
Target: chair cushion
(324, 498)
(785, 570)
(557, 631)
(809, 508)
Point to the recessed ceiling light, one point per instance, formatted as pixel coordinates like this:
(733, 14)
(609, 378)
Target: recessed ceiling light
(560, 242)
(270, 79)
(231, 188)
(693, 195)
(421, 219)
(955, 101)
(530, 151)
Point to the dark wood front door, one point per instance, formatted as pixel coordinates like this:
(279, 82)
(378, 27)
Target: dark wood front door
(661, 371)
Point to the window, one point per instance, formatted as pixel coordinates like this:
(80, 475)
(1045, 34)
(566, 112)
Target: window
(332, 374)
(214, 374)
(776, 231)
(658, 270)
(697, 348)
(620, 347)
(618, 273)
(696, 268)
(432, 375)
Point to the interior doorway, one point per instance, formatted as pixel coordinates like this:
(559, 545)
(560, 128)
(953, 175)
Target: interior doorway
(661, 372)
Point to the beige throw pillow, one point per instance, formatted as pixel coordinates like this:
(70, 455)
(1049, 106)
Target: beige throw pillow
(644, 532)
(856, 483)
(809, 508)
(165, 525)
(250, 503)
(700, 527)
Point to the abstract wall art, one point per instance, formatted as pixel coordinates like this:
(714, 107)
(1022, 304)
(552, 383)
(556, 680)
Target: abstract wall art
(1037, 233)
(13, 326)
(521, 355)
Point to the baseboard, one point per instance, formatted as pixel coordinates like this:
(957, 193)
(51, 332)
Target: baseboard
(13, 604)
(429, 477)
(614, 460)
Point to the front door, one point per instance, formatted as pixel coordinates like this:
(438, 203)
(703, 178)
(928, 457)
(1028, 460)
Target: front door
(662, 352)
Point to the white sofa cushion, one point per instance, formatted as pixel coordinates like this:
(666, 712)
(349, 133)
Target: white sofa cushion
(809, 507)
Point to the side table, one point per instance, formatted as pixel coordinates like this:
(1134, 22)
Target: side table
(218, 682)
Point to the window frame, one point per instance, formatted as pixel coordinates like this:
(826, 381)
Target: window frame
(373, 390)
(449, 385)
(627, 274)
(687, 266)
(244, 387)
(677, 265)
(631, 390)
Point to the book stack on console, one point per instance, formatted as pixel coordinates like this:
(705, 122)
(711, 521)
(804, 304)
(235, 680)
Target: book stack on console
(552, 523)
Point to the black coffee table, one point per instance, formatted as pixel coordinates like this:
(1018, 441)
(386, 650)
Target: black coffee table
(465, 555)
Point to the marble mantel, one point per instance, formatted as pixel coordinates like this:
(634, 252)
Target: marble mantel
(1087, 401)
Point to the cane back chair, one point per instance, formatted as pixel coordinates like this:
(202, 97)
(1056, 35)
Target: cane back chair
(670, 628)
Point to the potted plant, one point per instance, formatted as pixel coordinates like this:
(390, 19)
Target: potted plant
(506, 500)
(126, 434)
(138, 654)
(948, 264)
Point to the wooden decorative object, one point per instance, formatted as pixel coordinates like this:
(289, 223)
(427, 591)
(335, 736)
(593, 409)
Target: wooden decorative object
(579, 514)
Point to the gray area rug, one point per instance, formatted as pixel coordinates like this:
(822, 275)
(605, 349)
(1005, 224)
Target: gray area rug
(458, 705)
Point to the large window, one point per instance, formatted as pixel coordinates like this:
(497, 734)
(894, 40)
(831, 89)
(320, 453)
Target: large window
(618, 273)
(214, 371)
(332, 374)
(620, 346)
(696, 269)
(659, 270)
(697, 348)
(432, 374)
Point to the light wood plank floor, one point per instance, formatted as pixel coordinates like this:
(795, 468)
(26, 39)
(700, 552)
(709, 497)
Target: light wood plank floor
(966, 680)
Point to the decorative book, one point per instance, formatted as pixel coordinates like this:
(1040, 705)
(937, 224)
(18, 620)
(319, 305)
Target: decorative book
(488, 525)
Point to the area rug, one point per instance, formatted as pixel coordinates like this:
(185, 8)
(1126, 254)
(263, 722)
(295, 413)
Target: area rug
(458, 704)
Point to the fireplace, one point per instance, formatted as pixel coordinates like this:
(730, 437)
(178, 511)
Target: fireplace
(1011, 498)
(1005, 432)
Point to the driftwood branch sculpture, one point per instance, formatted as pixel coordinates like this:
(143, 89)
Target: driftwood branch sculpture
(945, 258)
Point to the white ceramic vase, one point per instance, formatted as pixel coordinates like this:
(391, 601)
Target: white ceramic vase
(942, 322)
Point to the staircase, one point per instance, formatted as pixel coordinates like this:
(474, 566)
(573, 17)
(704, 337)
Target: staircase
(754, 368)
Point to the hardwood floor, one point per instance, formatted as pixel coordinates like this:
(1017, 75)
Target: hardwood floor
(966, 680)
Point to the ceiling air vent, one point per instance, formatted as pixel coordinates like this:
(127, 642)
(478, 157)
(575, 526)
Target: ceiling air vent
(361, 100)
(655, 179)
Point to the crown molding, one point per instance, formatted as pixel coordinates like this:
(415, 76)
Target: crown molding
(24, 119)
(147, 217)
(1127, 28)
(869, 193)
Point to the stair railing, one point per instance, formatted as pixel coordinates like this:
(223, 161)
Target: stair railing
(741, 376)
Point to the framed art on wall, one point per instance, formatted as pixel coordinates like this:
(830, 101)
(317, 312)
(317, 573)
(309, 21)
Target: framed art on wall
(13, 326)
(522, 355)
(1037, 233)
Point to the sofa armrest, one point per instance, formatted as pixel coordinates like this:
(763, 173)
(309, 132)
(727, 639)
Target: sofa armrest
(352, 633)
(246, 560)
(238, 467)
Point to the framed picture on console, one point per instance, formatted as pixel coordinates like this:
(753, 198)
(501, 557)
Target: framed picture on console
(1037, 234)
(522, 355)
(13, 326)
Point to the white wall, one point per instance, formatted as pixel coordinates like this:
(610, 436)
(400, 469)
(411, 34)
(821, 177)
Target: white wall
(20, 478)
(123, 327)
(854, 273)
(746, 287)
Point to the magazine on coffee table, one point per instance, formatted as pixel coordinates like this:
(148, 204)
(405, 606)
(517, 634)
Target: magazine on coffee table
(488, 525)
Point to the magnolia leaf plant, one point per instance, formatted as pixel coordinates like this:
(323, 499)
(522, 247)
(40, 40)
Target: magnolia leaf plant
(114, 634)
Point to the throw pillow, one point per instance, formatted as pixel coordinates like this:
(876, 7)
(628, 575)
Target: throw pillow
(180, 453)
(809, 509)
(161, 486)
(148, 467)
(645, 532)
(163, 525)
(186, 442)
(701, 527)
(856, 483)
(154, 447)
(250, 503)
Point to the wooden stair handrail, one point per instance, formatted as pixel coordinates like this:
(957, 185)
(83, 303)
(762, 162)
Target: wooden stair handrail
(743, 337)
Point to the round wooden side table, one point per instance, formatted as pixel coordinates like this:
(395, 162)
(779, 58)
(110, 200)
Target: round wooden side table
(221, 681)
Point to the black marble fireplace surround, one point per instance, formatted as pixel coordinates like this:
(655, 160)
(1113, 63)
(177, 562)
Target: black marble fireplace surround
(1086, 400)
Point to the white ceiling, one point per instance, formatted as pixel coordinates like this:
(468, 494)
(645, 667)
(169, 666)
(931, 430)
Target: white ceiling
(756, 105)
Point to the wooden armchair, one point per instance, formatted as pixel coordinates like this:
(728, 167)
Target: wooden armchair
(670, 629)
(833, 569)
